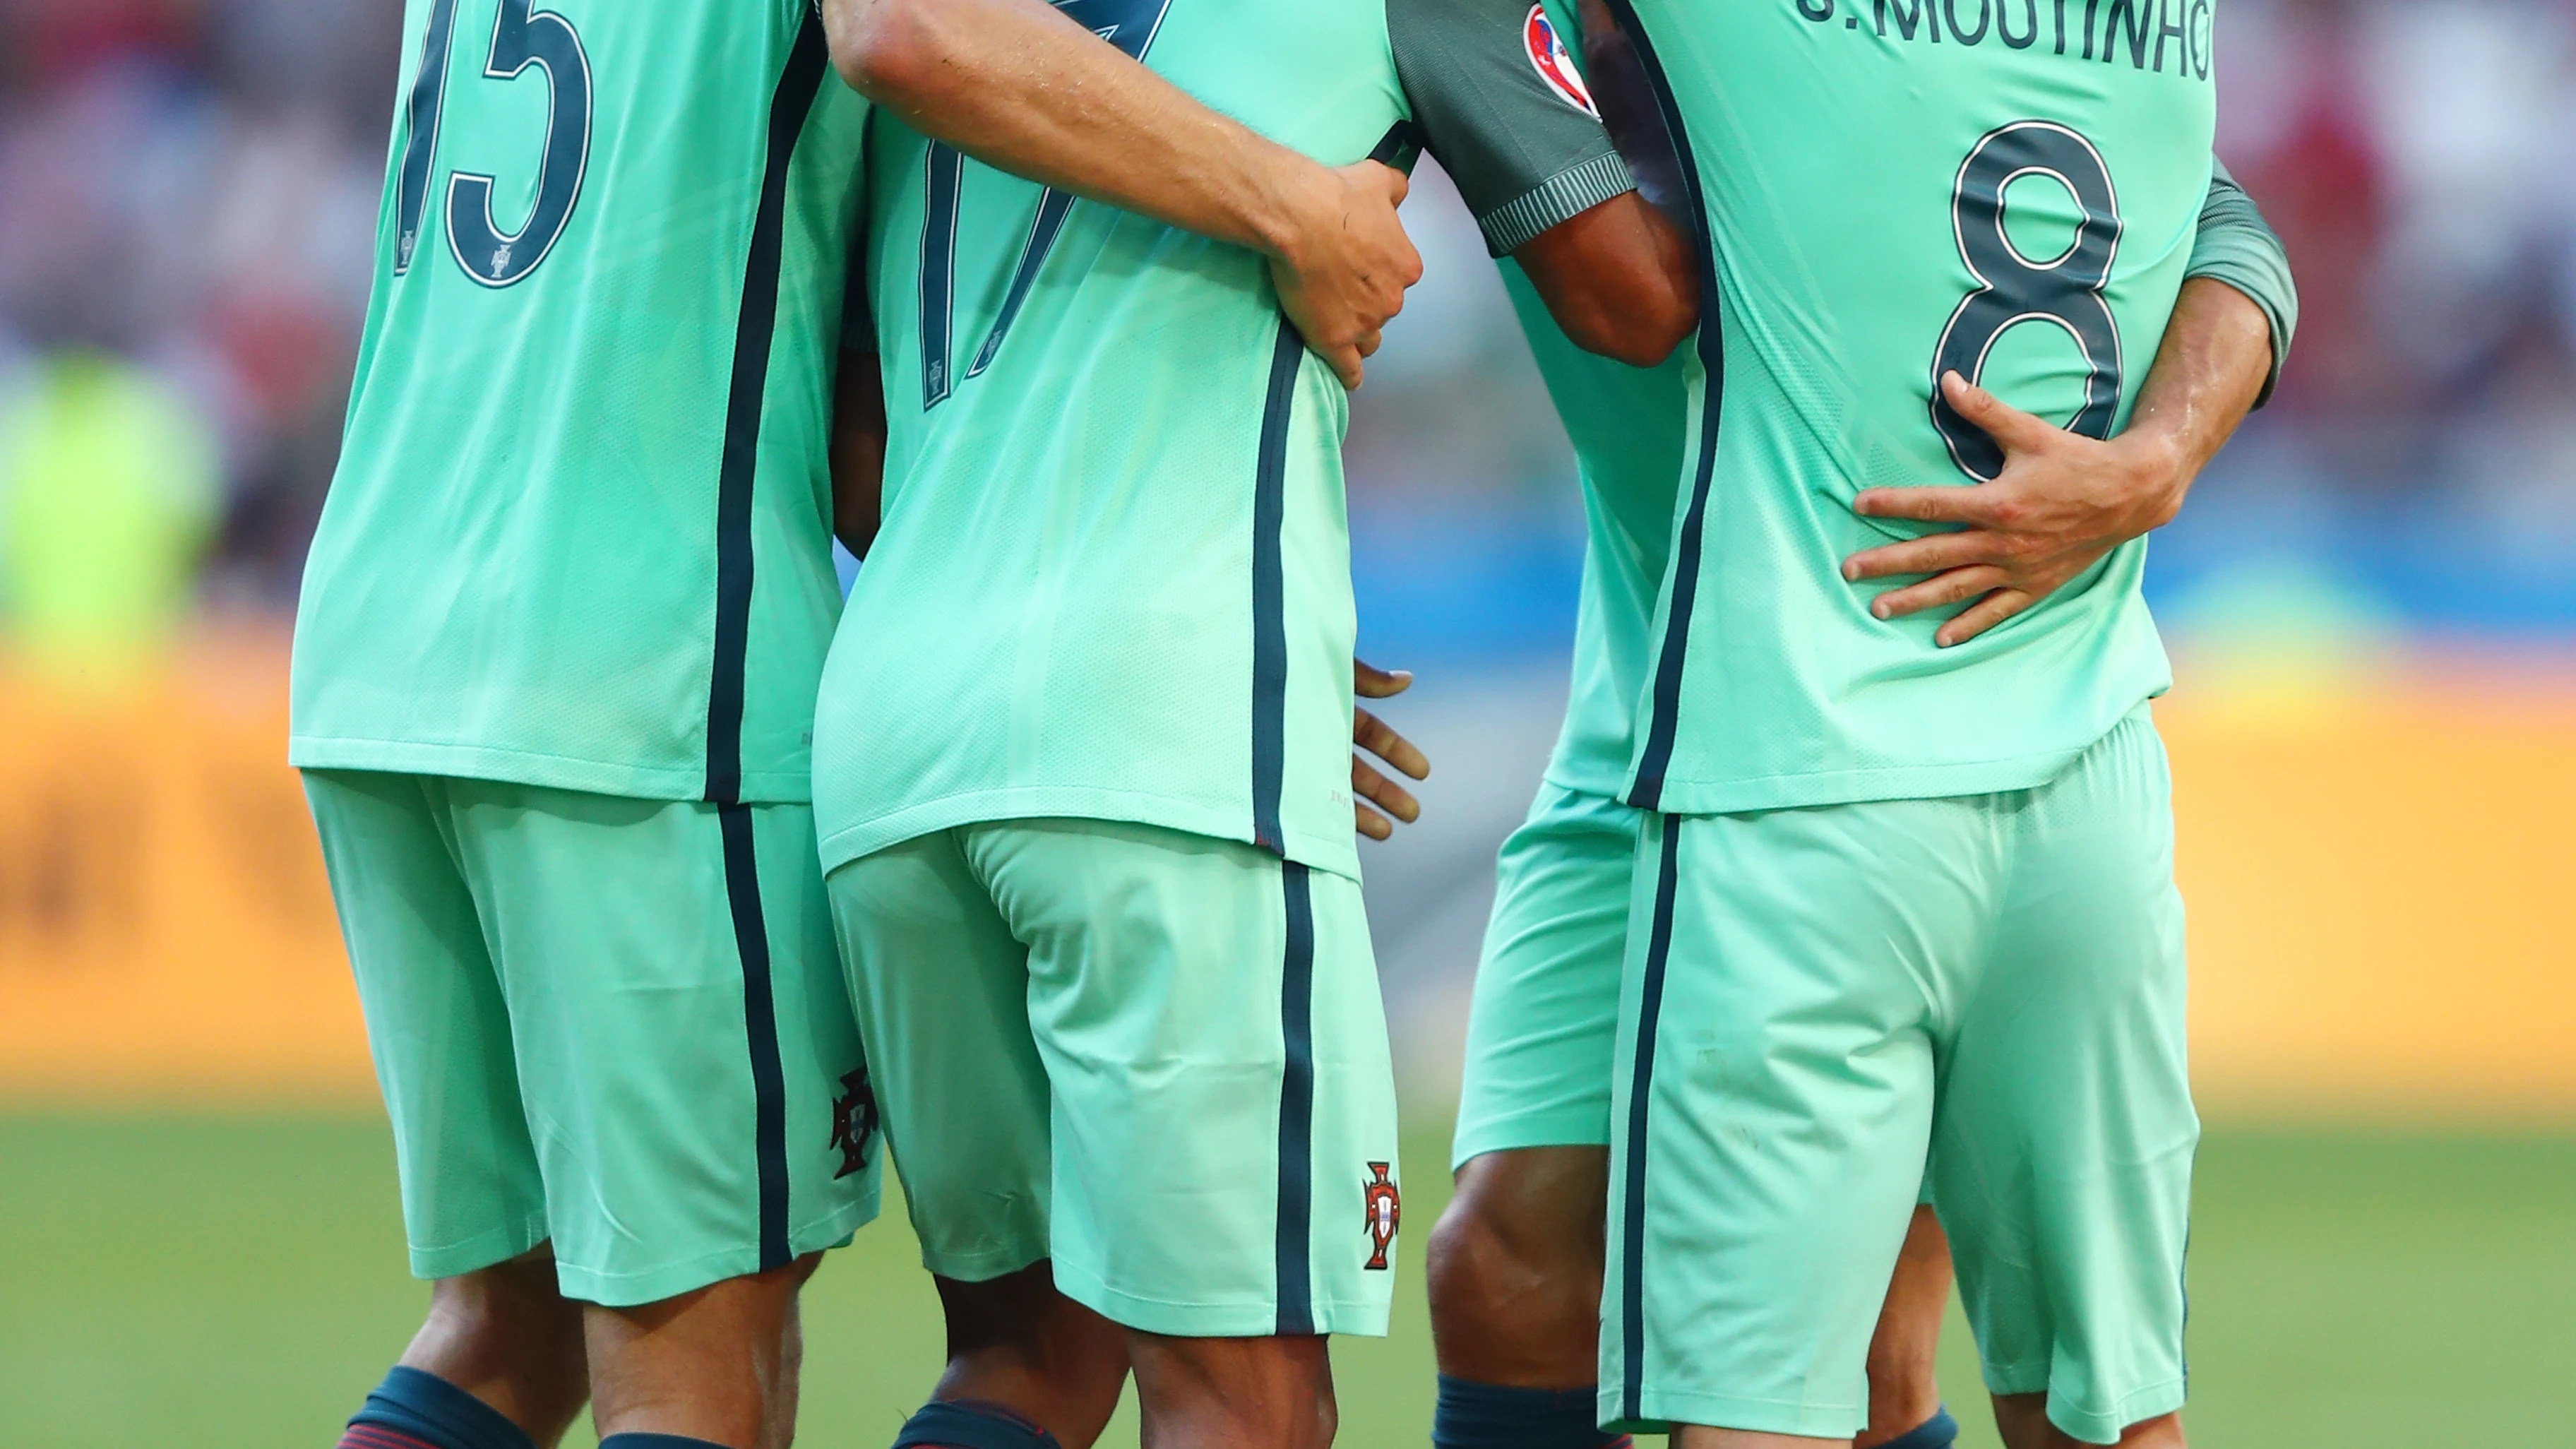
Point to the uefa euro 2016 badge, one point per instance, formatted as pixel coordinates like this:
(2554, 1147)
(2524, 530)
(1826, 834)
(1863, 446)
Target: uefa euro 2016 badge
(1554, 63)
(1385, 1211)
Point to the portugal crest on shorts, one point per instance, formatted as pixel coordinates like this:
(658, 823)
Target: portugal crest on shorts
(854, 1123)
(1385, 1210)
(1554, 63)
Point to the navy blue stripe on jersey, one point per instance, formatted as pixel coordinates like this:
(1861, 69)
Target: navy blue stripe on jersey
(943, 173)
(1269, 588)
(760, 1030)
(753, 334)
(1632, 1196)
(1297, 1106)
(1664, 707)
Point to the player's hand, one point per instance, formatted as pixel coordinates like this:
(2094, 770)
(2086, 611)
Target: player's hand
(2060, 504)
(1370, 736)
(1342, 269)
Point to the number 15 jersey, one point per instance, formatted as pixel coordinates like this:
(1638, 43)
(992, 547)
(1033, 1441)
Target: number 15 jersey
(580, 533)
(1894, 189)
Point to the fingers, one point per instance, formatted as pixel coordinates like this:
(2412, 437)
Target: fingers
(1939, 503)
(1372, 824)
(1928, 555)
(2011, 428)
(1367, 784)
(1375, 683)
(1989, 611)
(1370, 733)
(1370, 341)
(1345, 362)
(1954, 587)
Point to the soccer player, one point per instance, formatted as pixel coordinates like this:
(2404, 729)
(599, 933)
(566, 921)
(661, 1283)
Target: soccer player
(1080, 759)
(1516, 1259)
(561, 630)
(1905, 889)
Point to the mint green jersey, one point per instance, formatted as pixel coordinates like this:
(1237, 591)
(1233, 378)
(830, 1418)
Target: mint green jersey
(1629, 428)
(1113, 577)
(580, 534)
(1891, 191)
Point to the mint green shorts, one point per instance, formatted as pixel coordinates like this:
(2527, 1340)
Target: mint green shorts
(1543, 1024)
(1157, 1058)
(616, 1025)
(1818, 1000)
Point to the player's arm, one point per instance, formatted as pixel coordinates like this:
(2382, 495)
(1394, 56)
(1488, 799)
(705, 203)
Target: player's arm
(2063, 501)
(858, 442)
(1017, 85)
(1621, 279)
(1548, 185)
(858, 450)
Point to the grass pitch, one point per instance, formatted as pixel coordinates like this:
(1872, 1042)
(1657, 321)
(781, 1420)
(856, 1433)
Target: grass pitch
(238, 1283)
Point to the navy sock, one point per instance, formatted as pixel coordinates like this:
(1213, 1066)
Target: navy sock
(1938, 1432)
(969, 1424)
(415, 1410)
(655, 1441)
(1490, 1416)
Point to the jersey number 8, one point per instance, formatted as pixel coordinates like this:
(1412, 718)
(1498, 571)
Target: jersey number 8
(521, 38)
(2013, 289)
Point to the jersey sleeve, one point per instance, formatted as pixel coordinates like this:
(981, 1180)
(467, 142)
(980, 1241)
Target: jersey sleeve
(1497, 99)
(2237, 247)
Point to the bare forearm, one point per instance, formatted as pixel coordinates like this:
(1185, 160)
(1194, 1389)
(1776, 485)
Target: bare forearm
(1020, 87)
(2216, 354)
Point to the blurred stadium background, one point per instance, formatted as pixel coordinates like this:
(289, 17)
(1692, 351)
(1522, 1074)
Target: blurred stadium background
(2370, 598)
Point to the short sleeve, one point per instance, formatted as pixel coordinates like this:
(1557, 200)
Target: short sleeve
(1497, 99)
(2236, 246)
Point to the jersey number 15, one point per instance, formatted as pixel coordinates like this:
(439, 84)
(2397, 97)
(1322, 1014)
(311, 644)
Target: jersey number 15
(521, 38)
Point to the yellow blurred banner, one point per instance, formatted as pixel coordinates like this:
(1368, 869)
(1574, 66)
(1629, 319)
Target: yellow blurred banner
(165, 929)
(2379, 871)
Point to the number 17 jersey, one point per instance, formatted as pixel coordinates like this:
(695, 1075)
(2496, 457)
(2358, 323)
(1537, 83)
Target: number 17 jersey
(1892, 190)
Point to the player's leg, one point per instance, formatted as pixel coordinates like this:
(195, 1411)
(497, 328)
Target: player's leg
(693, 1079)
(1514, 1264)
(1904, 1391)
(499, 1361)
(942, 991)
(2065, 1136)
(1225, 1171)
(1773, 1104)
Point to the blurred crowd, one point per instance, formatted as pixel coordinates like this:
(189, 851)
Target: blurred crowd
(190, 187)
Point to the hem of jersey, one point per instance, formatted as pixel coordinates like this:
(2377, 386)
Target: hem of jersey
(1074, 802)
(670, 1280)
(1359, 1318)
(2091, 1425)
(790, 786)
(1610, 785)
(1559, 199)
(1658, 1411)
(1864, 787)
(1523, 1131)
(483, 1250)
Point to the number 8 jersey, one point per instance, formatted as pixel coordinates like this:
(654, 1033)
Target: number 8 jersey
(1894, 189)
(580, 532)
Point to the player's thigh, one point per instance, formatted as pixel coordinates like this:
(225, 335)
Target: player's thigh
(436, 1021)
(2065, 1140)
(685, 1049)
(1225, 1135)
(1543, 1022)
(942, 992)
(1773, 1103)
